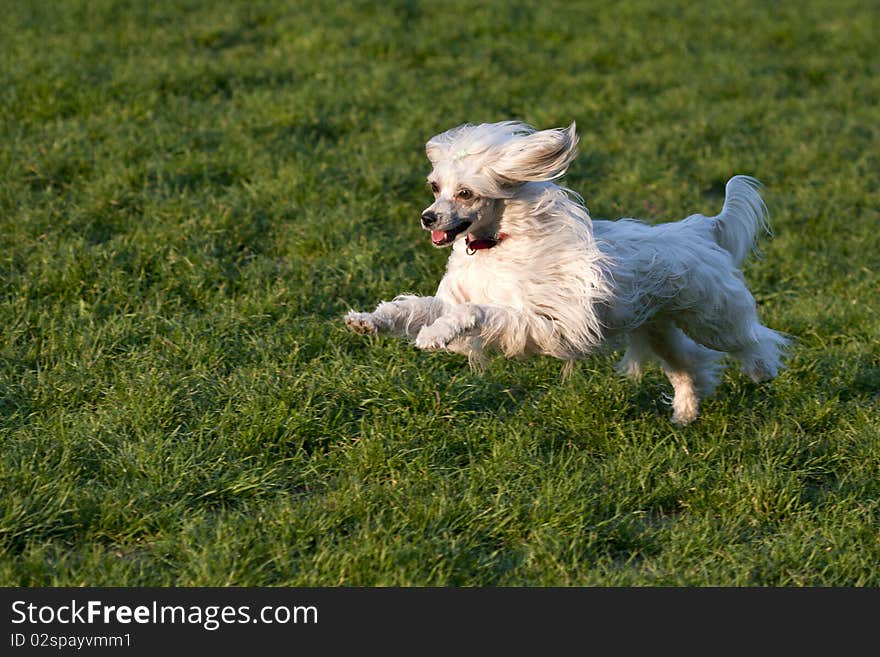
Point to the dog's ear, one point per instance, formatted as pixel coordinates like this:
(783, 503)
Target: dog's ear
(434, 149)
(537, 157)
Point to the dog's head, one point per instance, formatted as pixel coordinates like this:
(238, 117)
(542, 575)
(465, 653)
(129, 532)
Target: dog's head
(478, 167)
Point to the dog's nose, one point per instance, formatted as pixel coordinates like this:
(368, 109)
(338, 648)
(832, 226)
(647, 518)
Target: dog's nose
(429, 218)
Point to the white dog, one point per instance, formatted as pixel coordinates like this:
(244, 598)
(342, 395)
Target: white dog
(531, 273)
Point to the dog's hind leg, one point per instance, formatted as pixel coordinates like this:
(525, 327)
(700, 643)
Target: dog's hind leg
(692, 369)
(637, 355)
(762, 356)
(404, 316)
(735, 328)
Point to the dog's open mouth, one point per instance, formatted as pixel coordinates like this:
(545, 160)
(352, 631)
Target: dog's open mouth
(444, 237)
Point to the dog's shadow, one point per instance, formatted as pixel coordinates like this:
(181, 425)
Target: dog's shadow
(541, 387)
(506, 388)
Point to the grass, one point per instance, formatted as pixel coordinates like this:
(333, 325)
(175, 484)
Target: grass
(193, 193)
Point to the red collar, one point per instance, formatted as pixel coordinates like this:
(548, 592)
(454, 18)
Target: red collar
(474, 245)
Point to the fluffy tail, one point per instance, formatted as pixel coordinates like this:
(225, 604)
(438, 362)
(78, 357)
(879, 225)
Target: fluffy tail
(743, 214)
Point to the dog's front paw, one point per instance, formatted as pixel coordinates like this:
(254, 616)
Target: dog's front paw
(433, 337)
(361, 322)
(684, 418)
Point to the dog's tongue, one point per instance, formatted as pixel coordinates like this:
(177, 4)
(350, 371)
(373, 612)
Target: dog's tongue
(438, 235)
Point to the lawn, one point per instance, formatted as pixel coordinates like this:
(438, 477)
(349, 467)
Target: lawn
(193, 193)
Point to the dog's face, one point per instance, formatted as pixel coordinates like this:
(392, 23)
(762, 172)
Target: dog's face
(457, 208)
(478, 167)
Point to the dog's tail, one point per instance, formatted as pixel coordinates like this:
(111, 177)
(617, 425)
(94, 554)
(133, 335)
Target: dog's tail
(743, 215)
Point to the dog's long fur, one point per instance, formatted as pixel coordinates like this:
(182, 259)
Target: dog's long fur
(555, 282)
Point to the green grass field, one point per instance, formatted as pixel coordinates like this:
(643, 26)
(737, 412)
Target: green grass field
(194, 192)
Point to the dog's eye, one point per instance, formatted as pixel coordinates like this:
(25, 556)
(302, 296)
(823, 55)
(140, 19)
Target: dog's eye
(435, 188)
(465, 194)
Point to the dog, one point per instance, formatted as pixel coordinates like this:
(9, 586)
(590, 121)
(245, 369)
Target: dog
(531, 273)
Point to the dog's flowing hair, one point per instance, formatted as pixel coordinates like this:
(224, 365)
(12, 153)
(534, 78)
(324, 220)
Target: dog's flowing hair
(531, 273)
